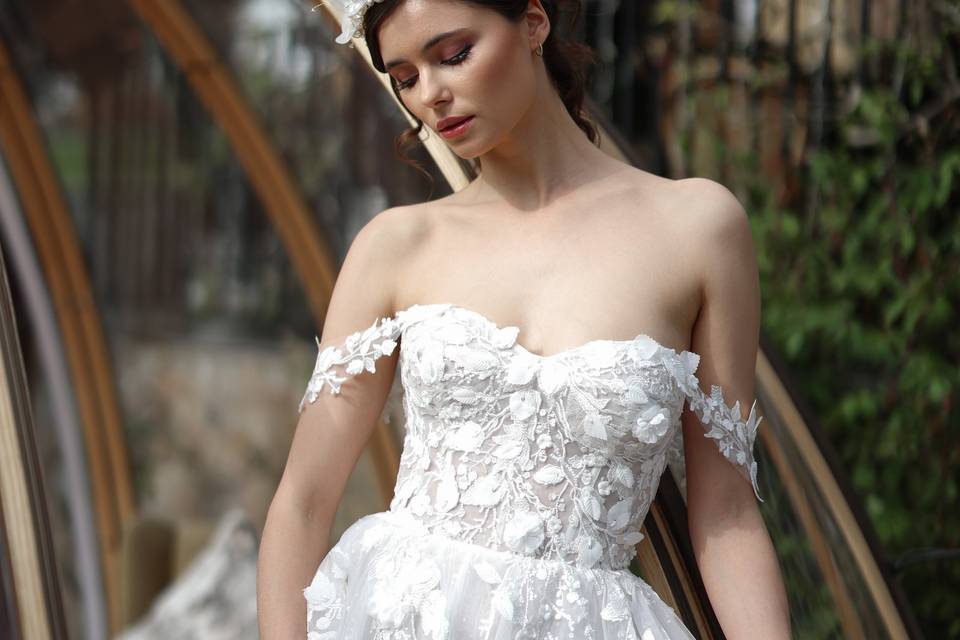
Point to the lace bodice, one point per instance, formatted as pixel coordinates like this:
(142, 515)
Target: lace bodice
(555, 456)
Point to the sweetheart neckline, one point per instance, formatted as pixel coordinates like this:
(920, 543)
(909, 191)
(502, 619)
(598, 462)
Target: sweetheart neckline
(551, 356)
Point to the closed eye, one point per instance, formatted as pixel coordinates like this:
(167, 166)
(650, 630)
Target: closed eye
(453, 61)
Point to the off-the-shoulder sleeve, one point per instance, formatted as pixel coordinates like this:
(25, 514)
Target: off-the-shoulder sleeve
(724, 424)
(358, 353)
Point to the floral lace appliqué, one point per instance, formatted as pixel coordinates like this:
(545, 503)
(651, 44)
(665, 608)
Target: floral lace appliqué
(359, 353)
(734, 435)
(547, 459)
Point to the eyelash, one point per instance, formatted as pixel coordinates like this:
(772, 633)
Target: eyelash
(458, 59)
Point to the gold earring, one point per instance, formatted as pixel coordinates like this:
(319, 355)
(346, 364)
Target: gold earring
(540, 49)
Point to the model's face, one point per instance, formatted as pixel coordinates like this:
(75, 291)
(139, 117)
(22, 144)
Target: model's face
(484, 68)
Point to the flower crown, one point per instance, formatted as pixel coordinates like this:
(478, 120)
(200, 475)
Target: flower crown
(351, 17)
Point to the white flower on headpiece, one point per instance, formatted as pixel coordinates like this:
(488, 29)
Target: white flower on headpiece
(351, 17)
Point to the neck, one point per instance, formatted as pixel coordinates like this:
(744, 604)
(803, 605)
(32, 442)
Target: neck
(544, 156)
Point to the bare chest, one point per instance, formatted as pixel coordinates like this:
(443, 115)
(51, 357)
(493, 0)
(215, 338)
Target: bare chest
(563, 282)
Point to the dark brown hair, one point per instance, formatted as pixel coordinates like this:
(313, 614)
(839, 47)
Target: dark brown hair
(568, 62)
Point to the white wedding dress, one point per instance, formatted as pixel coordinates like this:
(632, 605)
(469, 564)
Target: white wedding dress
(523, 484)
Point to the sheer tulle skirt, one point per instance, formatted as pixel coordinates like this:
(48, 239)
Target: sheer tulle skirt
(387, 578)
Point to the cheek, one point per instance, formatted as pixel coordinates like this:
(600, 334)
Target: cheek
(503, 80)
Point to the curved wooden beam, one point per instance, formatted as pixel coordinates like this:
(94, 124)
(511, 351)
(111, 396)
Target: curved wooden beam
(19, 526)
(36, 310)
(189, 48)
(820, 546)
(772, 388)
(53, 233)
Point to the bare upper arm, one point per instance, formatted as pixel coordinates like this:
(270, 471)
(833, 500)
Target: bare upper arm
(725, 334)
(333, 430)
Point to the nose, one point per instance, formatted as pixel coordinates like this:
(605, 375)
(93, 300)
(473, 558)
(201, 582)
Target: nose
(432, 90)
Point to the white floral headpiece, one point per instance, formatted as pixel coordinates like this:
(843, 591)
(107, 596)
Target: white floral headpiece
(350, 15)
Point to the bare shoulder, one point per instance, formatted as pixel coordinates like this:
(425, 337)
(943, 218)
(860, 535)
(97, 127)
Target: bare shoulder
(373, 263)
(700, 216)
(700, 224)
(688, 210)
(710, 211)
(720, 244)
(392, 233)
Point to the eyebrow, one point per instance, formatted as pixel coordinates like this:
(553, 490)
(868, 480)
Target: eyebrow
(426, 46)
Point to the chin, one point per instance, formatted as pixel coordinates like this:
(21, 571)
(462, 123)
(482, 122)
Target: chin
(476, 147)
(466, 154)
(471, 153)
(468, 149)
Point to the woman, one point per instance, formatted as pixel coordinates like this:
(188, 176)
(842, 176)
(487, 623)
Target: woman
(538, 420)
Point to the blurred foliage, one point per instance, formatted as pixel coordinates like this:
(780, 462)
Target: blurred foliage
(859, 255)
(860, 294)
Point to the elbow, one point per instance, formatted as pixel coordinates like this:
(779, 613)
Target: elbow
(301, 503)
(726, 503)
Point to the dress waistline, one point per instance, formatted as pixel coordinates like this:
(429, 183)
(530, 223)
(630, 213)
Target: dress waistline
(404, 519)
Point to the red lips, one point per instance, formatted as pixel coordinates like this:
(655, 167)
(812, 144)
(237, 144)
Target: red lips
(450, 121)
